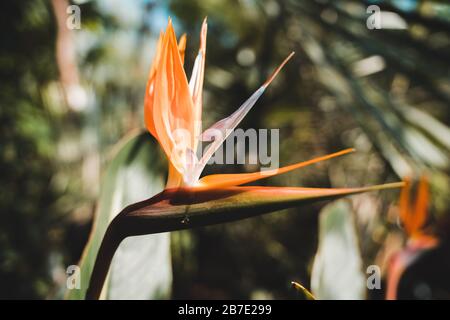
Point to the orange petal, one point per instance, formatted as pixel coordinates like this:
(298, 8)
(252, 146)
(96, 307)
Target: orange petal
(182, 47)
(414, 218)
(228, 180)
(222, 129)
(174, 178)
(196, 81)
(404, 206)
(421, 205)
(150, 90)
(172, 102)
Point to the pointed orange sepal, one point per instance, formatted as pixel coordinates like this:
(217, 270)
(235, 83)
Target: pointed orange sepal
(228, 180)
(414, 216)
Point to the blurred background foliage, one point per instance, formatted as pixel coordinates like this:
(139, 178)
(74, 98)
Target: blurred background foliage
(68, 96)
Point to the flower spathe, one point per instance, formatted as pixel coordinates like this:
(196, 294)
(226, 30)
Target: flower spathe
(173, 115)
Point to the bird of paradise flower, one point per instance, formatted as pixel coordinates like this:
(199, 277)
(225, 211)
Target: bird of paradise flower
(173, 111)
(413, 218)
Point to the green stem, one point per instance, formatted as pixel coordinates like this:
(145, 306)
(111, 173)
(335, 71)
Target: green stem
(108, 247)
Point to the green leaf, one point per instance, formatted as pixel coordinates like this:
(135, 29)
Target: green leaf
(141, 268)
(337, 269)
